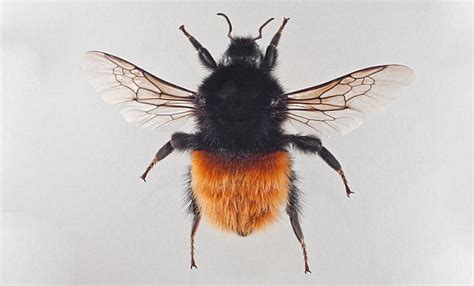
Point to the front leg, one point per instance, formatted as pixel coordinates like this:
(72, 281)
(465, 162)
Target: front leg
(179, 141)
(204, 55)
(310, 144)
(270, 57)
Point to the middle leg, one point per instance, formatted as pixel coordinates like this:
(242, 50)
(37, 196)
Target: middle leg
(179, 141)
(311, 144)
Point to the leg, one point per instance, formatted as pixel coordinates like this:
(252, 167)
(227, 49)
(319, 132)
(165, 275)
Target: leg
(333, 163)
(310, 144)
(179, 141)
(292, 210)
(271, 53)
(196, 220)
(204, 55)
(194, 210)
(160, 155)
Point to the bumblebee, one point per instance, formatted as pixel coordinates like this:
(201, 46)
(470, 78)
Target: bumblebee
(241, 175)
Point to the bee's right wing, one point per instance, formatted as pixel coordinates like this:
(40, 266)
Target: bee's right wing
(147, 99)
(339, 106)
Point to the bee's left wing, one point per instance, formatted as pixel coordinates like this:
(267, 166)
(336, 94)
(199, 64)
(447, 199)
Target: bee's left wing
(338, 106)
(147, 99)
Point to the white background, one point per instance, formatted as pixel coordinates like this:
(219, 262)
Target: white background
(75, 211)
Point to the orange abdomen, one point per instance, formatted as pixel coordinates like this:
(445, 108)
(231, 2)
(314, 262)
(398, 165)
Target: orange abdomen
(240, 194)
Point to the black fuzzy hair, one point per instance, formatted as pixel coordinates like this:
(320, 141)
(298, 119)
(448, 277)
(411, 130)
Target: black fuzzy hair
(240, 109)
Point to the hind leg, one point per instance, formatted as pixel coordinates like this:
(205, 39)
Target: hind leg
(295, 224)
(292, 209)
(194, 210)
(196, 220)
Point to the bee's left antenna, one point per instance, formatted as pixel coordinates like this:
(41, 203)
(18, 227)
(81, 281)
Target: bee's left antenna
(228, 23)
(261, 28)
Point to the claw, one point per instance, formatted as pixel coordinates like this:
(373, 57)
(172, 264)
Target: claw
(152, 164)
(305, 255)
(346, 184)
(306, 268)
(348, 191)
(193, 264)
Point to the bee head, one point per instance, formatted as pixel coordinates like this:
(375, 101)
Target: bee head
(243, 49)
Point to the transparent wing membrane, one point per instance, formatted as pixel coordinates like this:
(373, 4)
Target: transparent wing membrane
(339, 106)
(147, 100)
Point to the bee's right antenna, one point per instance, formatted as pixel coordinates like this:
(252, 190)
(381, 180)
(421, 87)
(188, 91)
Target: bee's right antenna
(228, 23)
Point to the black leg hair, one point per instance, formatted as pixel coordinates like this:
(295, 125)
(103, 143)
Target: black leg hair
(179, 141)
(293, 210)
(311, 144)
(204, 55)
(271, 52)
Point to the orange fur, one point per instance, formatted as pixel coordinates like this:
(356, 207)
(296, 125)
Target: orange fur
(240, 194)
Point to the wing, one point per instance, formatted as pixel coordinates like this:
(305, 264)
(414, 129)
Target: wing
(146, 99)
(338, 106)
